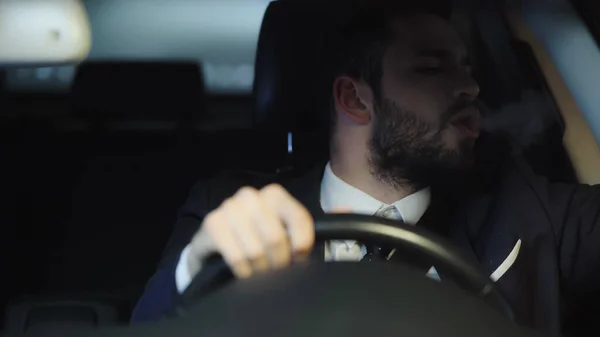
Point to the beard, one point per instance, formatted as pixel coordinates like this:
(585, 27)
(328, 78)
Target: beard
(408, 152)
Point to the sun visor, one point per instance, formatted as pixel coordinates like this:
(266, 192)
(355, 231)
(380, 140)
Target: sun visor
(43, 32)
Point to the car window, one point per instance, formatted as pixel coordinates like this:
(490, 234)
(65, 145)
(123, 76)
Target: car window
(590, 13)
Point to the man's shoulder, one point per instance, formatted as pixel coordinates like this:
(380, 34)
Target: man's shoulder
(234, 179)
(208, 193)
(224, 184)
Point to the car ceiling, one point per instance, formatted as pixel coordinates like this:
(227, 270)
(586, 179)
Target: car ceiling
(221, 34)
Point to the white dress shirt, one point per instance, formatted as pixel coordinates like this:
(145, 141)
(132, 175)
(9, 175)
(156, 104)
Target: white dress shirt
(336, 194)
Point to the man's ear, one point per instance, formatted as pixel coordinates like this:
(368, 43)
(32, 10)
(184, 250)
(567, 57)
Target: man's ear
(353, 98)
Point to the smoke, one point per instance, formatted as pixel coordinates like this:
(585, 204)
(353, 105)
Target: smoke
(524, 122)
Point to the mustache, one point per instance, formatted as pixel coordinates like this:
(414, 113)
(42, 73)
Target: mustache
(459, 106)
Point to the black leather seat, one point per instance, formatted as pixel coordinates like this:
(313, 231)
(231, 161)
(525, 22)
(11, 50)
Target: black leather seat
(136, 175)
(107, 181)
(145, 155)
(121, 91)
(100, 187)
(293, 73)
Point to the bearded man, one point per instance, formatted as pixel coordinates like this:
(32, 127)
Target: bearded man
(405, 144)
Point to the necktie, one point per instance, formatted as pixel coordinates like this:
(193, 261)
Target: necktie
(382, 253)
(389, 212)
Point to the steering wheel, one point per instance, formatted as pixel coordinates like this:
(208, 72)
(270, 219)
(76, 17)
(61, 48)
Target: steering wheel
(348, 299)
(388, 233)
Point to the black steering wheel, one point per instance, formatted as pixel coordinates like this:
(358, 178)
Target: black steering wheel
(348, 299)
(388, 233)
(438, 251)
(351, 299)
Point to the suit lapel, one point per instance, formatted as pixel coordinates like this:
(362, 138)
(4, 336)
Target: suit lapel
(461, 213)
(437, 216)
(444, 218)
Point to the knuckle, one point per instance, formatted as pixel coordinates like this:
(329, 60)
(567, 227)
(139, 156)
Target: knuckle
(256, 253)
(212, 227)
(275, 240)
(233, 257)
(302, 215)
(247, 191)
(211, 220)
(241, 270)
(282, 258)
(248, 198)
(303, 243)
(274, 191)
(227, 204)
(303, 220)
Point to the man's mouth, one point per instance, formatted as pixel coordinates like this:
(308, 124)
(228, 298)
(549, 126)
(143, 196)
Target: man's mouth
(468, 122)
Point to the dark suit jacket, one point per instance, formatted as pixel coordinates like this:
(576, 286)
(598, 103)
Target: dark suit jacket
(554, 284)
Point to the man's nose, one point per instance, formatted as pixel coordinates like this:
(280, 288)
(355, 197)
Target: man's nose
(466, 87)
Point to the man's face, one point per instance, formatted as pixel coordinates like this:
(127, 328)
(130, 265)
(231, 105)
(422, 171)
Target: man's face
(425, 121)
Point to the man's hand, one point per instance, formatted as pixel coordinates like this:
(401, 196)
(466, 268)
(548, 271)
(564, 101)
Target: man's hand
(254, 231)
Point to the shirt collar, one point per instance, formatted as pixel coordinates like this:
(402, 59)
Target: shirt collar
(336, 193)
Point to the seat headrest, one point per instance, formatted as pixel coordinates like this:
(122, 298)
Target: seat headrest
(291, 81)
(294, 69)
(138, 90)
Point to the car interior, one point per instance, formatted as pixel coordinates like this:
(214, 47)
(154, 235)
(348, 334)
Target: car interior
(99, 153)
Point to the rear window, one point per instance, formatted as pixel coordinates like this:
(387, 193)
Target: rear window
(221, 35)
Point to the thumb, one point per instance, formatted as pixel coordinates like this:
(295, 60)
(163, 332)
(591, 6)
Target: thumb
(201, 246)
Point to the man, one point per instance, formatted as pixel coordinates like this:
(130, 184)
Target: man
(403, 145)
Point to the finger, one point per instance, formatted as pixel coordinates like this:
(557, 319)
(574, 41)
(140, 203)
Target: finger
(216, 224)
(340, 210)
(242, 225)
(269, 226)
(298, 221)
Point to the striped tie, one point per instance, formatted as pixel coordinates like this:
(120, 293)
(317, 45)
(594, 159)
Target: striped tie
(379, 253)
(389, 212)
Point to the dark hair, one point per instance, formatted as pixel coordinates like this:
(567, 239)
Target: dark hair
(364, 36)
